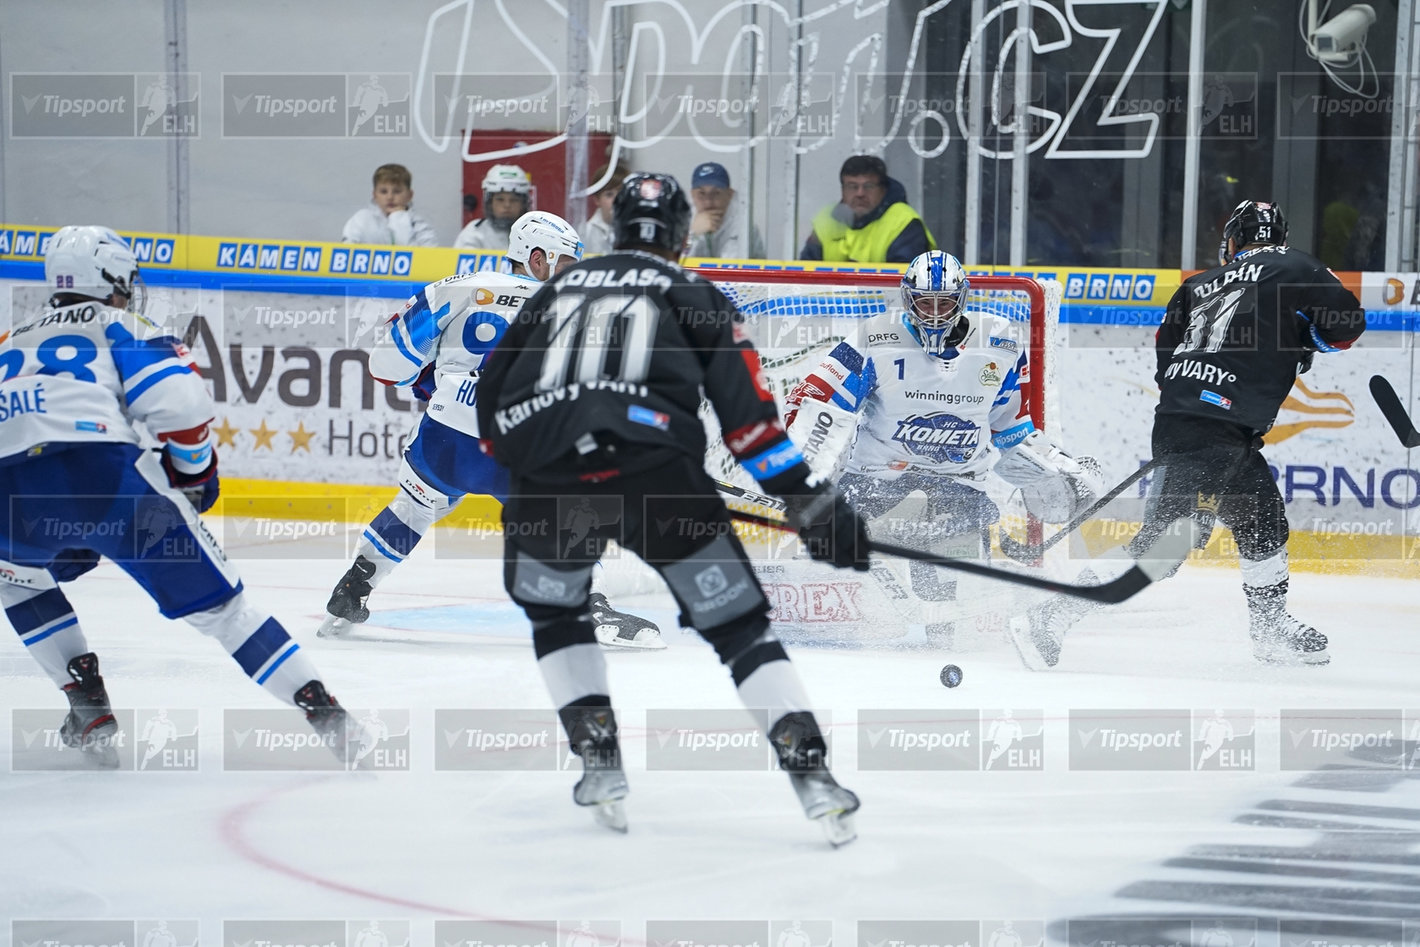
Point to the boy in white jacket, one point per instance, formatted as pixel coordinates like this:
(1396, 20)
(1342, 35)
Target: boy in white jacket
(388, 219)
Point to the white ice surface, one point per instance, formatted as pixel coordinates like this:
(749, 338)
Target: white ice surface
(214, 845)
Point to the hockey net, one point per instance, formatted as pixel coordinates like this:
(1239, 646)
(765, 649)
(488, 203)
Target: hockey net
(795, 317)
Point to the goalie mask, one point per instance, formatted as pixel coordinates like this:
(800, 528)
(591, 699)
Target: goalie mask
(93, 262)
(1252, 222)
(539, 230)
(933, 295)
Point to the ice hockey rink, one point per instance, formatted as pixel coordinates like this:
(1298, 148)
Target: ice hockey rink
(1325, 845)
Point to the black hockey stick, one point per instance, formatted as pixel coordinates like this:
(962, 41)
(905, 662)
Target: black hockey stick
(1161, 559)
(1025, 552)
(1389, 402)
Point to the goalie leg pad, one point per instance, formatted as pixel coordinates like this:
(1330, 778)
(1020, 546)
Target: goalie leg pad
(824, 433)
(1054, 485)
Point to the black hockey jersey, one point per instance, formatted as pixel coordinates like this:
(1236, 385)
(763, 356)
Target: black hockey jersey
(618, 348)
(1233, 337)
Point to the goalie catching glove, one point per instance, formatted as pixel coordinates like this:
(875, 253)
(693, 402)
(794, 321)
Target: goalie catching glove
(1054, 485)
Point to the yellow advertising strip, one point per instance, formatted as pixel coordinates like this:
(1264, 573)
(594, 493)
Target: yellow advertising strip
(1389, 556)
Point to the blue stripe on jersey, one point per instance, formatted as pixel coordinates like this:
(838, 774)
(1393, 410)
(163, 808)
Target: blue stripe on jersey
(1011, 383)
(130, 355)
(843, 402)
(1012, 435)
(849, 357)
(136, 392)
(393, 532)
(263, 643)
(70, 623)
(35, 612)
(773, 461)
(423, 325)
(414, 360)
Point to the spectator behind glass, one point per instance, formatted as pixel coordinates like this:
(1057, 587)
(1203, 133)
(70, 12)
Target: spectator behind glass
(873, 224)
(720, 222)
(507, 195)
(388, 218)
(596, 232)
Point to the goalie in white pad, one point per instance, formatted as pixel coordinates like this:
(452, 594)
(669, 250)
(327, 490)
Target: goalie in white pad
(939, 397)
(436, 346)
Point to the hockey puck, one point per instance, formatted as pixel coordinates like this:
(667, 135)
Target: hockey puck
(951, 675)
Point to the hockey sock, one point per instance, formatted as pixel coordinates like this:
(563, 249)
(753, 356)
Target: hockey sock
(572, 663)
(763, 674)
(47, 626)
(1265, 585)
(259, 644)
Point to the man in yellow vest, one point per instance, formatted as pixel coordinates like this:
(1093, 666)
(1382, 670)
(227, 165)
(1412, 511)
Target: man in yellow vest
(873, 224)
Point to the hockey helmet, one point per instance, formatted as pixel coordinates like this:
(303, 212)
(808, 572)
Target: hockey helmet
(94, 262)
(650, 210)
(539, 230)
(506, 179)
(934, 292)
(1252, 222)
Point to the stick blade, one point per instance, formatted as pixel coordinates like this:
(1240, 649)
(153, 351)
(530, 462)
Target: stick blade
(1160, 561)
(1383, 393)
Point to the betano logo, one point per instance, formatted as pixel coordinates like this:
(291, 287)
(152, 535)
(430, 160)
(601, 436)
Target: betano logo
(1311, 410)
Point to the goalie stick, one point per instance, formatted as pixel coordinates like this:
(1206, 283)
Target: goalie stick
(1161, 559)
(1389, 402)
(1028, 553)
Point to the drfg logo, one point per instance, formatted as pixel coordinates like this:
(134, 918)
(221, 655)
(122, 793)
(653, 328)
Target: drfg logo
(906, 739)
(1130, 739)
(477, 739)
(1346, 739)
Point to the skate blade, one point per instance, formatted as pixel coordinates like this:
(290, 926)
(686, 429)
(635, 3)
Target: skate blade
(838, 827)
(99, 752)
(1025, 645)
(611, 815)
(1286, 658)
(607, 637)
(334, 627)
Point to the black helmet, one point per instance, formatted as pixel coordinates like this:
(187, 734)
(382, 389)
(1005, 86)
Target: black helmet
(650, 210)
(1253, 222)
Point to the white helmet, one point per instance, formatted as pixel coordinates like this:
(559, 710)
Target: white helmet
(539, 230)
(933, 291)
(505, 179)
(95, 262)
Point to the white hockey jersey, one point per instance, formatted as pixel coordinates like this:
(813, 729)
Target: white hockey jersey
(945, 416)
(88, 372)
(452, 325)
(483, 234)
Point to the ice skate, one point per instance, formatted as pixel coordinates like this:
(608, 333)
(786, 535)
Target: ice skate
(1039, 634)
(592, 735)
(346, 607)
(1285, 640)
(616, 629)
(90, 726)
(800, 746)
(329, 719)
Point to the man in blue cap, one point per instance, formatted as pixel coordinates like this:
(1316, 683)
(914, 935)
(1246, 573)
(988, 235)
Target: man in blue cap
(720, 227)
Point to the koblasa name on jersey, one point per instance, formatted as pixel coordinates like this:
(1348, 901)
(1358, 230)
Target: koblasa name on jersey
(940, 437)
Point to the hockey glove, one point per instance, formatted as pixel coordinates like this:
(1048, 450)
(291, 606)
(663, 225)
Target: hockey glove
(201, 489)
(831, 530)
(1053, 484)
